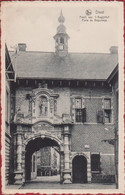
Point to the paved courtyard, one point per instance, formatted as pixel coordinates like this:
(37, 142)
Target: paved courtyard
(52, 182)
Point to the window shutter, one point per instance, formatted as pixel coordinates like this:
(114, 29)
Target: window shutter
(100, 116)
(84, 114)
(95, 162)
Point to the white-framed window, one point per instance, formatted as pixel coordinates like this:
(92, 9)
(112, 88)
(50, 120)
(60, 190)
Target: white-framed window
(80, 112)
(104, 115)
(107, 110)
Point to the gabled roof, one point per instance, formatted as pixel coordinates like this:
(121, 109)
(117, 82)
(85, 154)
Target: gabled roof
(113, 74)
(10, 74)
(48, 65)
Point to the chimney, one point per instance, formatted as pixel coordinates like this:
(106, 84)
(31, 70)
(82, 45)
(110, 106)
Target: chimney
(22, 46)
(113, 49)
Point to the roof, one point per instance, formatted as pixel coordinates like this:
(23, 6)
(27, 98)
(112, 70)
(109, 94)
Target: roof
(113, 74)
(48, 65)
(10, 74)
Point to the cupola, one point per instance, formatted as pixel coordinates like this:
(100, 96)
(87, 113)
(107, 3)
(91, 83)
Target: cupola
(61, 38)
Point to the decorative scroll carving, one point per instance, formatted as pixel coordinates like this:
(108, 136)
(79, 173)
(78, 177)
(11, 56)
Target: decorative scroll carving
(26, 135)
(66, 118)
(55, 106)
(19, 116)
(42, 126)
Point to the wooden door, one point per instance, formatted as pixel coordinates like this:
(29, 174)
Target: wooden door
(79, 169)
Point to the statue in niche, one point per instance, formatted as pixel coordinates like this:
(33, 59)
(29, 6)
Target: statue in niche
(43, 106)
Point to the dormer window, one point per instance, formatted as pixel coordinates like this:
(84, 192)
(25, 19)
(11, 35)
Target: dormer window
(43, 106)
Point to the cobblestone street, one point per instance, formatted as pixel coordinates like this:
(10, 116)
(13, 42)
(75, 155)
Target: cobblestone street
(52, 182)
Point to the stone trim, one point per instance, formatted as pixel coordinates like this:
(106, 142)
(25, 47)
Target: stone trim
(107, 154)
(88, 97)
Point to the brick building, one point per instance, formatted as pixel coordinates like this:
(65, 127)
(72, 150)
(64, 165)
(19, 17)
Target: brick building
(64, 100)
(113, 79)
(47, 162)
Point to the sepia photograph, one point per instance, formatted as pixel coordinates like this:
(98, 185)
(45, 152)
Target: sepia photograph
(62, 97)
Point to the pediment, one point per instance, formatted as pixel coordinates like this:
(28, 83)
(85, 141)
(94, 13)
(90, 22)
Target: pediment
(43, 91)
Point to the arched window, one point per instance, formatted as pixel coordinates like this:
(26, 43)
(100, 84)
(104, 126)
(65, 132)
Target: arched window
(62, 40)
(43, 106)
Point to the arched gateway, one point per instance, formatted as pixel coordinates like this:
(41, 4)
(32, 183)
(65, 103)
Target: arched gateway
(28, 143)
(36, 143)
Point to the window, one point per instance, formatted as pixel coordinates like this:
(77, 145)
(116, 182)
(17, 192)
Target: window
(104, 116)
(95, 162)
(62, 40)
(43, 106)
(107, 104)
(78, 103)
(107, 110)
(80, 113)
(107, 115)
(100, 116)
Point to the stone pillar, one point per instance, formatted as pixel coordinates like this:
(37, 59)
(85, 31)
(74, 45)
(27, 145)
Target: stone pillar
(23, 163)
(89, 175)
(67, 171)
(18, 172)
(61, 166)
(89, 172)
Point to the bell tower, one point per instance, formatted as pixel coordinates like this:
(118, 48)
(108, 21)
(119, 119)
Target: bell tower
(61, 38)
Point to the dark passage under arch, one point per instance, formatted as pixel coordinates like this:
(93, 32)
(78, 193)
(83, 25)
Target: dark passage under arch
(79, 166)
(33, 146)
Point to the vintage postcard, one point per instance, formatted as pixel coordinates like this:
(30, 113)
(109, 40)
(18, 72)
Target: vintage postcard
(62, 97)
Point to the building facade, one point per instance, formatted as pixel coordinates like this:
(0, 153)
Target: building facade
(64, 100)
(113, 79)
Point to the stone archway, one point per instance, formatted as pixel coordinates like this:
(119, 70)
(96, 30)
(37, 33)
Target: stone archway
(26, 144)
(33, 144)
(42, 136)
(79, 169)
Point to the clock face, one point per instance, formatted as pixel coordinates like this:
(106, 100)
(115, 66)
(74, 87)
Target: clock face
(61, 47)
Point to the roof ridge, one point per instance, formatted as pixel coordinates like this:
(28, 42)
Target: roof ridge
(87, 53)
(54, 52)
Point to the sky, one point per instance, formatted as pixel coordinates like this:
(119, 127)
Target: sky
(35, 24)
